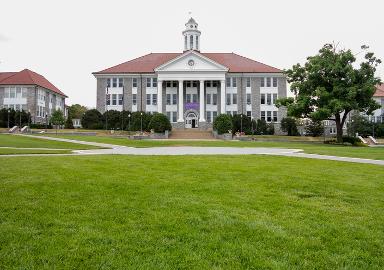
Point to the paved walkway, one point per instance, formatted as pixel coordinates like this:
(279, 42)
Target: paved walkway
(111, 149)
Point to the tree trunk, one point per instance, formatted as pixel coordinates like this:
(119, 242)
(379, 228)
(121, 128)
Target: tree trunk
(339, 129)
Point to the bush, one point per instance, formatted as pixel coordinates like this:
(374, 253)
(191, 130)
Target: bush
(359, 124)
(137, 119)
(241, 122)
(14, 118)
(69, 122)
(314, 128)
(223, 123)
(112, 119)
(352, 140)
(160, 123)
(41, 126)
(288, 124)
(262, 128)
(92, 119)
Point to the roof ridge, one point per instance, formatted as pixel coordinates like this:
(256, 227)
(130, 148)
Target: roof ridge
(255, 61)
(29, 75)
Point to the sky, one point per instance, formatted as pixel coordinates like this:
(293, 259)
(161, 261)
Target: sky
(68, 40)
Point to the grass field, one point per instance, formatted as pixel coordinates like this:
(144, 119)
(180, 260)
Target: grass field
(308, 147)
(36, 142)
(109, 212)
(15, 151)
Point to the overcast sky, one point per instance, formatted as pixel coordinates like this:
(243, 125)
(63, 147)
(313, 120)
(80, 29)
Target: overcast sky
(68, 40)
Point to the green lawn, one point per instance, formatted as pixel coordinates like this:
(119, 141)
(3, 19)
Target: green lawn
(211, 212)
(15, 151)
(36, 142)
(308, 147)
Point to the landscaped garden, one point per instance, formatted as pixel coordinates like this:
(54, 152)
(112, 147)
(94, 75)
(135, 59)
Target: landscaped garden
(190, 212)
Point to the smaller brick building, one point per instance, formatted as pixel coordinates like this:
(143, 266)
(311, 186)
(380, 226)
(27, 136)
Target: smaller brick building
(29, 91)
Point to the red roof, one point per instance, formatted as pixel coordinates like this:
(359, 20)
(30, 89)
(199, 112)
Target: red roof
(147, 63)
(27, 77)
(379, 91)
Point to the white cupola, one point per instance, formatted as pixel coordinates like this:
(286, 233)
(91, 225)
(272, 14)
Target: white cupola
(191, 36)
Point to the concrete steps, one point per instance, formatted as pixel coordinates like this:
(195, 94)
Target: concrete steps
(190, 133)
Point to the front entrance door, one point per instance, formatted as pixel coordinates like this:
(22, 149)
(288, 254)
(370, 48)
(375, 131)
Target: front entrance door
(191, 120)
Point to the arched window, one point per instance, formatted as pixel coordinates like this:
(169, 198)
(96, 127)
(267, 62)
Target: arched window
(191, 42)
(197, 42)
(185, 43)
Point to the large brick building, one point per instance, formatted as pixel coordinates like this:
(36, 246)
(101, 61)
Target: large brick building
(193, 87)
(26, 90)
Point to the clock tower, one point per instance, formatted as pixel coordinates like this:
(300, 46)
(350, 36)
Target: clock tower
(191, 36)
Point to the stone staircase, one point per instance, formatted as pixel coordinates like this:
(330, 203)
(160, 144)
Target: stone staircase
(191, 133)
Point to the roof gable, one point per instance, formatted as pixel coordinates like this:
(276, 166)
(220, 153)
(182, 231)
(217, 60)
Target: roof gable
(191, 61)
(28, 77)
(379, 91)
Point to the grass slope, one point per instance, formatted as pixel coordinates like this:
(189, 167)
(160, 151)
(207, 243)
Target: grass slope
(308, 147)
(36, 142)
(15, 151)
(190, 212)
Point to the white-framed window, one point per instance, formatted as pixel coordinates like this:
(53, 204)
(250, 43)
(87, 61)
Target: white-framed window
(151, 82)
(274, 116)
(274, 82)
(231, 82)
(248, 82)
(120, 99)
(168, 99)
(114, 82)
(148, 99)
(108, 99)
(269, 116)
(249, 113)
(108, 82)
(248, 99)
(274, 98)
(332, 130)
(262, 82)
(114, 99)
(269, 99)
(268, 81)
(134, 82)
(208, 98)
(154, 99)
(172, 116)
(134, 99)
(228, 99)
(120, 82)
(234, 98)
(174, 99)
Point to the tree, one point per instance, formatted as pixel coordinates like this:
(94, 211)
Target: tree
(140, 120)
(69, 122)
(359, 124)
(288, 124)
(314, 128)
(160, 123)
(241, 122)
(329, 87)
(223, 123)
(92, 119)
(76, 111)
(112, 118)
(57, 118)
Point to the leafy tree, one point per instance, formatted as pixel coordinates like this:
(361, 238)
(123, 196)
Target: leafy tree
(112, 119)
(223, 123)
(314, 128)
(126, 119)
(76, 111)
(139, 119)
(288, 124)
(92, 119)
(57, 118)
(160, 123)
(329, 87)
(241, 122)
(69, 122)
(360, 124)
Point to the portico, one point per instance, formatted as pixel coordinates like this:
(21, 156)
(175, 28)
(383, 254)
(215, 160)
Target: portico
(196, 77)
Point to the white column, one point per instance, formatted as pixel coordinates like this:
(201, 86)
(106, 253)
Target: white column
(202, 102)
(181, 105)
(160, 96)
(222, 97)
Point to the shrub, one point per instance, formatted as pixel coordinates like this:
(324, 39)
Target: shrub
(69, 122)
(262, 128)
(14, 117)
(241, 122)
(112, 119)
(314, 128)
(138, 118)
(359, 124)
(160, 123)
(352, 140)
(92, 119)
(223, 123)
(41, 126)
(288, 124)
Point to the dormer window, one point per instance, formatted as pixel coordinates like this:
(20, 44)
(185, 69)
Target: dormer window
(191, 26)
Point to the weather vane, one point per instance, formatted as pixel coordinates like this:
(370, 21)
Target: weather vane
(190, 13)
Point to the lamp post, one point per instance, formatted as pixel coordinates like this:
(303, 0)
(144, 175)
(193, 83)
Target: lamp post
(129, 122)
(20, 118)
(141, 122)
(9, 111)
(46, 122)
(106, 109)
(241, 124)
(29, 121)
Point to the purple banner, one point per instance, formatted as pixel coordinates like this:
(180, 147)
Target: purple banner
(192, 106)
